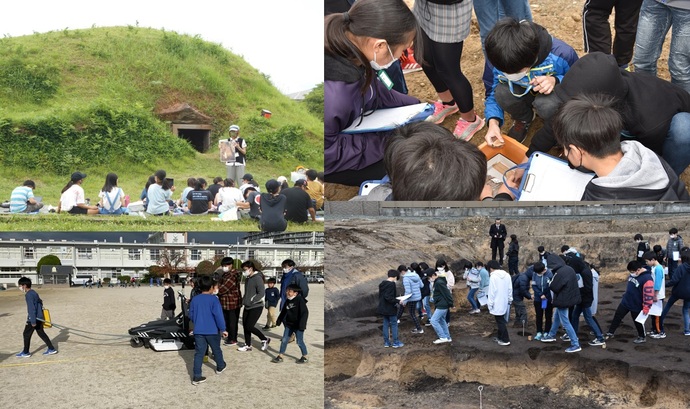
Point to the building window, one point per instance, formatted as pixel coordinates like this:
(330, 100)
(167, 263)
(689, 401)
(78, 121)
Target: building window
(155, 254)
(219, 254)
(29, 253)
(134, 254)
(196, 255)
(84, 253)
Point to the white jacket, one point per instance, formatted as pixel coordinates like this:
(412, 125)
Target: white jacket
(500, 292)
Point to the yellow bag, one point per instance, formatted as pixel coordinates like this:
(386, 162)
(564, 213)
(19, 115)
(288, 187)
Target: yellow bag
(46, 318)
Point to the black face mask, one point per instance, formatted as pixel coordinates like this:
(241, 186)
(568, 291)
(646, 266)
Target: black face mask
(578, 168)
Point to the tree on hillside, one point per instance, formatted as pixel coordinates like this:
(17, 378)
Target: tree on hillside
(49, 260)
(314, 101)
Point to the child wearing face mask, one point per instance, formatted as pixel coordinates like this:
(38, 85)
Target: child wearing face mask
(642, 247)
(294, 317)
(528, 64)
(168, 312)
(230, 297)
(638, 296)
(272, 297)
(253, 302)
(673, 247)
(34, 320)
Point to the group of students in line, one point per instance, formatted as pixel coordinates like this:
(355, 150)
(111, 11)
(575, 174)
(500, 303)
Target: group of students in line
(563, 288)
(588, 105)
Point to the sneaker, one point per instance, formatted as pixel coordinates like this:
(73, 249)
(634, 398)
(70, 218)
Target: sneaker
(199, 380)
(547, 338)
(465, 130)
(229, 344)
(246, 348)
(265, 327)
(597, 342)
(418, 331)
(441, 112)
(686, 333)
(277, 360)
(273, 325)
(428, 324)
(386, 345)
(608, 336)
(519, 129)
(441, 341)
(565, 337)
(408, 62)
(23, 355)
(398, 345)
(474, 311)
(503, 343)
(303, 360)
(660, 335)
(398, 321)
(264, 344)
(640, 340)
(573, 348)
(220, 371)
(50, 352)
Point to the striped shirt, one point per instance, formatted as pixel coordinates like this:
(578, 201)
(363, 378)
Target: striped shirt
(20, 195)
(444, 23)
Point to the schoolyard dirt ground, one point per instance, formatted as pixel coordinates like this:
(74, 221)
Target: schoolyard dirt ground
(360, 373)
(109, 373)
(562, 18)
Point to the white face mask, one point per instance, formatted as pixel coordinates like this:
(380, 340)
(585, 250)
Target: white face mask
(378, 67)
(638, 241)
(22, 289)
(245, 273)
(673, 236)
(166, 286)
(215, 292)
(516, 77)
(441, 269)
(292, 298)
(287, 270)
(226, 269)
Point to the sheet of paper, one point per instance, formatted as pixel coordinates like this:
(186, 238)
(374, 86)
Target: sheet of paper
(676, 255)
(640, 253)
(387, 119)
(641, 317)
(550, 179)
(403, 297)
(656, 308)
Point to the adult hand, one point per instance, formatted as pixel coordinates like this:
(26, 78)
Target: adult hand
(543, 84)
(493, 135)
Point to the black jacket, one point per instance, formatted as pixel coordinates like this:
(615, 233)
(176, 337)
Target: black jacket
(521, 286)
(649, 103)
(169, 299)
(513, 249)
(294, 314)
(388, 304)
(564, 286)
(680, 281)
(498, 233)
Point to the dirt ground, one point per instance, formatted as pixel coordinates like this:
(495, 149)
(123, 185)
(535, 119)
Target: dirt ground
(562, 18)
(359, 372)
(109, 373)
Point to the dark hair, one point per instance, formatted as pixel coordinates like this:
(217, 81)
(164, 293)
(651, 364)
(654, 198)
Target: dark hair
(638, 236)
(160, 175)
(201, 181)
(685, 256)
(150, 181)
(402, 267)
(634, 265)
(311, 174)
(565, 248)
(227, 261)
(390, 20)
(466, 264)
(320, 176)
(294, 287)
(649, 255)
(657, 248)
(424, 148)
(217, 179)
(249, 263)
(540, 249)
(271, 280)
(199, 185)
(205, 283)
(493, 265)
(673, 230)
(513, 237)
(24, 281)
(590, 123)
(67, 186)
(576, 263)
(538, 267)
(167, 281)
(442, 263)
(29, 183)
(228, 182)
(423, 265)
(415, 267)
(479, 264)
(288, 262)
(512, 45)
(110, 182)
(191, 182)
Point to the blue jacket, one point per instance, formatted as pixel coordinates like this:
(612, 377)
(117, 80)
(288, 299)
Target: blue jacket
(34, 306)
(540, 284)
(272, 296)
(521, 287)
(680, 281)
(555, 58)
(639, 292)
(206, 314)
(413, 285)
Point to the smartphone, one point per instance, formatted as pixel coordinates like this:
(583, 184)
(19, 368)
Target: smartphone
(170, 181)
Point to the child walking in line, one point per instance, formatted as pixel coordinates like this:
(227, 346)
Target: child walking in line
(168, 312)
(272, 298)
(294, 315)
(388, 307)
(34, 320)
(207, 315)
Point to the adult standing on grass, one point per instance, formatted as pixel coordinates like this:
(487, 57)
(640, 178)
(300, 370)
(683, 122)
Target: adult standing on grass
(159, 194)
(22, 198)
(253, 303)
(34, 321)
(72, 198)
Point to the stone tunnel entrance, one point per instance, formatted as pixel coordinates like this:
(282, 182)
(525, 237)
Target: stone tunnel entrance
(189, 123)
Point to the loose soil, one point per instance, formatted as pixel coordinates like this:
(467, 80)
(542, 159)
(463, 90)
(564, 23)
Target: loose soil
(562, 18)
(359, 372)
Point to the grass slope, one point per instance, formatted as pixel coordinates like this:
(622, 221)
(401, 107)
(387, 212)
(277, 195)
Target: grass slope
(62, 77)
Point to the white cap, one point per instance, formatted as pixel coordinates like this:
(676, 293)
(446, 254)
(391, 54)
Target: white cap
(282, 179)
(234, 128)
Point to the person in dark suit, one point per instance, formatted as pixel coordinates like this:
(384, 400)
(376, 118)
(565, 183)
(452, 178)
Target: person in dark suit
(498, 234)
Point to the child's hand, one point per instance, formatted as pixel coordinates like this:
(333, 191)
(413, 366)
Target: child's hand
(543, 84)
(225, 334)
(493, 136)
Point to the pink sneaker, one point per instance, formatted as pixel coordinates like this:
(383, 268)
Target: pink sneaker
(441, 112)
(465, 130)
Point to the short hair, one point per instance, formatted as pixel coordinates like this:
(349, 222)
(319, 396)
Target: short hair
(227, 261)
(673, 230)
(402, 268)
(229, 182)
(479, 264)
(649, 255)
(271, 280)
(540, 249)
(538, 267)
(205, 283)
(657, 248)
(287, 262)
(29, 183)
(423, 265)
(24, 281)
(565, 248)
(634, 265)
(249, 263)
(512, 45)
(513, 236)
(638, 236)
(191, 182)
(217, 179)
(311, 174)
(493, 265)
(423, 148)
(294, 287)
(590, 123)
(167, 281)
